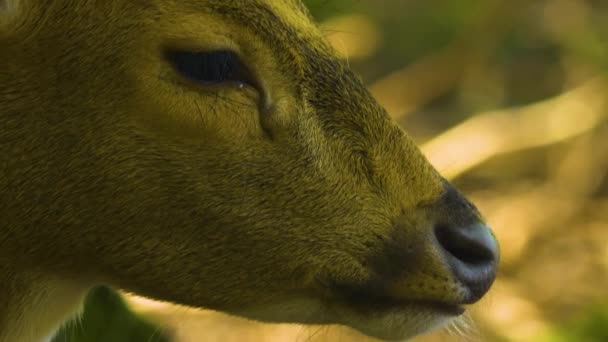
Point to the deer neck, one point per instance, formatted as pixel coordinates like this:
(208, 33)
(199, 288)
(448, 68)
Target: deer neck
(33, 305)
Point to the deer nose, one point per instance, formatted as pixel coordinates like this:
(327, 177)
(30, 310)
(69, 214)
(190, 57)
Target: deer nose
(471, 251)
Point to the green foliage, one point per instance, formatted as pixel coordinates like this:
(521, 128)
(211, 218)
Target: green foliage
(520, 42)
(106, 318)
(592, 326)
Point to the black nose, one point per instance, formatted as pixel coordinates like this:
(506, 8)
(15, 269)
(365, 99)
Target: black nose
(472, 253)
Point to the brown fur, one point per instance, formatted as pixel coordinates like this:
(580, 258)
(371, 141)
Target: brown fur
(113, 170)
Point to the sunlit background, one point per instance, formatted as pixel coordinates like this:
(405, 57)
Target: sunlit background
(508, 99)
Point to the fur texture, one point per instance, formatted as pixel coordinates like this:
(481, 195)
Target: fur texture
(261, 202)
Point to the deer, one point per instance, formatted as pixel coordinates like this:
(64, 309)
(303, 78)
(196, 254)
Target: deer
(216, 154)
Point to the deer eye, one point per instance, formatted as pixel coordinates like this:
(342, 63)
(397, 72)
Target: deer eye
(211, 68)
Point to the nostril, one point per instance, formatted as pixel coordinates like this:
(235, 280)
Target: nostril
(472, 253)
(472, 244)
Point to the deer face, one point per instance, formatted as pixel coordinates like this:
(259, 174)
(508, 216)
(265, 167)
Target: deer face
(219, 154)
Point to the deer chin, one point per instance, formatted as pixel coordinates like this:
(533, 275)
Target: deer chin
(386, 321)
(398, 321)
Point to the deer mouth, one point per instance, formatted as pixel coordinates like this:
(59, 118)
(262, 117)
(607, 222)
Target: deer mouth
(370, 309)
(370, 305)
(372, 298)
(447, 309)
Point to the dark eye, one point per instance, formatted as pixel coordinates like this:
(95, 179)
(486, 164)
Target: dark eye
(211, 67)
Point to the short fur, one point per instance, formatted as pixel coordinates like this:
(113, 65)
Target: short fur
(259, 203)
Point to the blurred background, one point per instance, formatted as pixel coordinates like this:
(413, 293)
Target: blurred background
(509, 100)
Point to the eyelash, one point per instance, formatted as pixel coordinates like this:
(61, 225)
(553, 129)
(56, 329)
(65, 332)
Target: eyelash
(211, 68)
